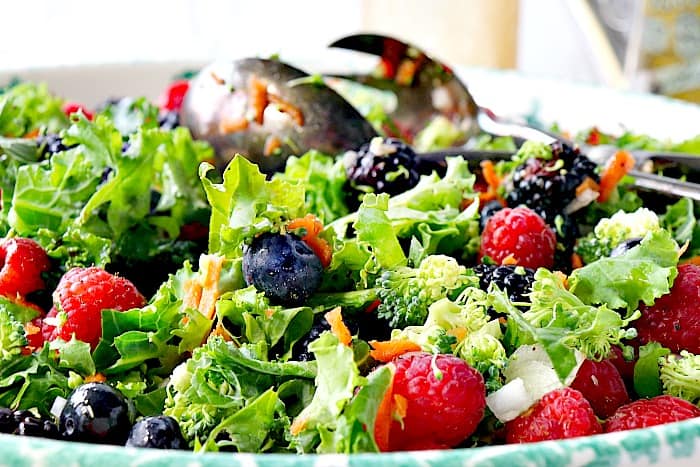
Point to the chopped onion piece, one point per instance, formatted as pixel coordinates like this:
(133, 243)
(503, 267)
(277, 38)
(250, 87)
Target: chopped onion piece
(581, 201)
(510, 401)
(57, 406)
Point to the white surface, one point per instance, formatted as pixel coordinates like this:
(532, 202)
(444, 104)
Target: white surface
(39, 33)
(573, 106)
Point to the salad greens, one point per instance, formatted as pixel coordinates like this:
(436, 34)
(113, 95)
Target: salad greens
(221, 358)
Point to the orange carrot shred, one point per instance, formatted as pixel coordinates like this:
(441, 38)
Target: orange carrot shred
(692, 260)
(96, 378)
(338, 327)
(294, 112)
(210, 266)
(460, 333)
(32, 134)
(298, 425)
(587, 184)
(400, 407)
(272, 144)
(488, 170)
(621, 163)
(313, 226)
(509, 260)
(192, 293)
(233, 125)
(383, 420)
(576, 261)
(385, 351)
(564, 279)
(257, 93)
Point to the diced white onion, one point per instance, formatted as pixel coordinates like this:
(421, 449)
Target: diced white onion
(57, 406)
(510, 401)
(581, 201)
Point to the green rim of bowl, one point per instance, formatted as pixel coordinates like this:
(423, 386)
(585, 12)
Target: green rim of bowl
(664, 444)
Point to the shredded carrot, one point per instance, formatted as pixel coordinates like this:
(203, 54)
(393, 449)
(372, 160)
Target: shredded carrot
(488, 170)
(287, 108)
(621, 163)
(385, 351)
(509, 260)
(587, 184)
(221, 331)
(269, 312)
(405, 72)
(32, 134)
(485, 197)
(564, 279)
(210, 266)
(692, 260)
(384, 419)
(298, 425)
(233, 125)
(460, 333)
(312, 227)
(338, 327)
(272, 144)
(257, 93)
(309, 222)
(96, 378)
(218, 79)
(400, 407)
(192, 293)
(576, 261)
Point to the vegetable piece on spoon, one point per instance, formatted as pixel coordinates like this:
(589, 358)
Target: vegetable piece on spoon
(268, 110)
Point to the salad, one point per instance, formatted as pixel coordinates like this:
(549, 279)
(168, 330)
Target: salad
(352, 303)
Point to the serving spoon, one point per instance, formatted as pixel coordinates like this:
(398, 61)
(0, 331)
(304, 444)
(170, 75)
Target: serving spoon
(268, 110)
(425, 87)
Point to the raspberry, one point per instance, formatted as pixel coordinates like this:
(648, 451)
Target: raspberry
(173, 97)
(624, 367)
(23, 261)
(674, 319)
(81, 295)
(602, 385)
(560, 414)
(521, 234)
(434, 410)
(70, 108)
(643, 413)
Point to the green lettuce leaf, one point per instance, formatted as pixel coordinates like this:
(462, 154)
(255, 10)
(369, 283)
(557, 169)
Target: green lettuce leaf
(647, 382)
(26, 107)
(245, 204)
(642, 274)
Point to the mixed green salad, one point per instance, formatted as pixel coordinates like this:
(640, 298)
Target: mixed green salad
(290, 312)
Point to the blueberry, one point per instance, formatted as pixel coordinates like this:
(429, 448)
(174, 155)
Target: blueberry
(283, 267)
(624, 247)
(96, 413)
(161, 432)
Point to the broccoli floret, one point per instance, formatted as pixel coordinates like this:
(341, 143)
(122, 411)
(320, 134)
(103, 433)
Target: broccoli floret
(610, 232)
(12, 336)
(485, 353)
(680, 376)
(406, 293)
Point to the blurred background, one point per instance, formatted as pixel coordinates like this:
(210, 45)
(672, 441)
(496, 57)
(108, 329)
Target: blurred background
(627, 44)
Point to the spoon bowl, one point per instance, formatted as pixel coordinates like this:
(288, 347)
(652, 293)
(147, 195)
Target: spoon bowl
(268, 110)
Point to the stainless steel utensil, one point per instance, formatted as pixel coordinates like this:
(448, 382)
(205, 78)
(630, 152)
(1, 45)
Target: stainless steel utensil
(268, 110)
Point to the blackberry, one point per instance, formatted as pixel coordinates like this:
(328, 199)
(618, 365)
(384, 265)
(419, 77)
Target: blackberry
(550, 185)
(7, 420)
(301, 348)
(489, 209)
(566, 230)
(384, 165)
(515, 280)
(51, 144)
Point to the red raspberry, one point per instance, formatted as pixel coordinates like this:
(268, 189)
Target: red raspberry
(82, 294)
(174, 95)
(433, 412)
(643, 413)
(22, 260)
(602, 385)
(520, 234)
(674, 319)
(560, 414)
(70, 108)
(624, 367)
